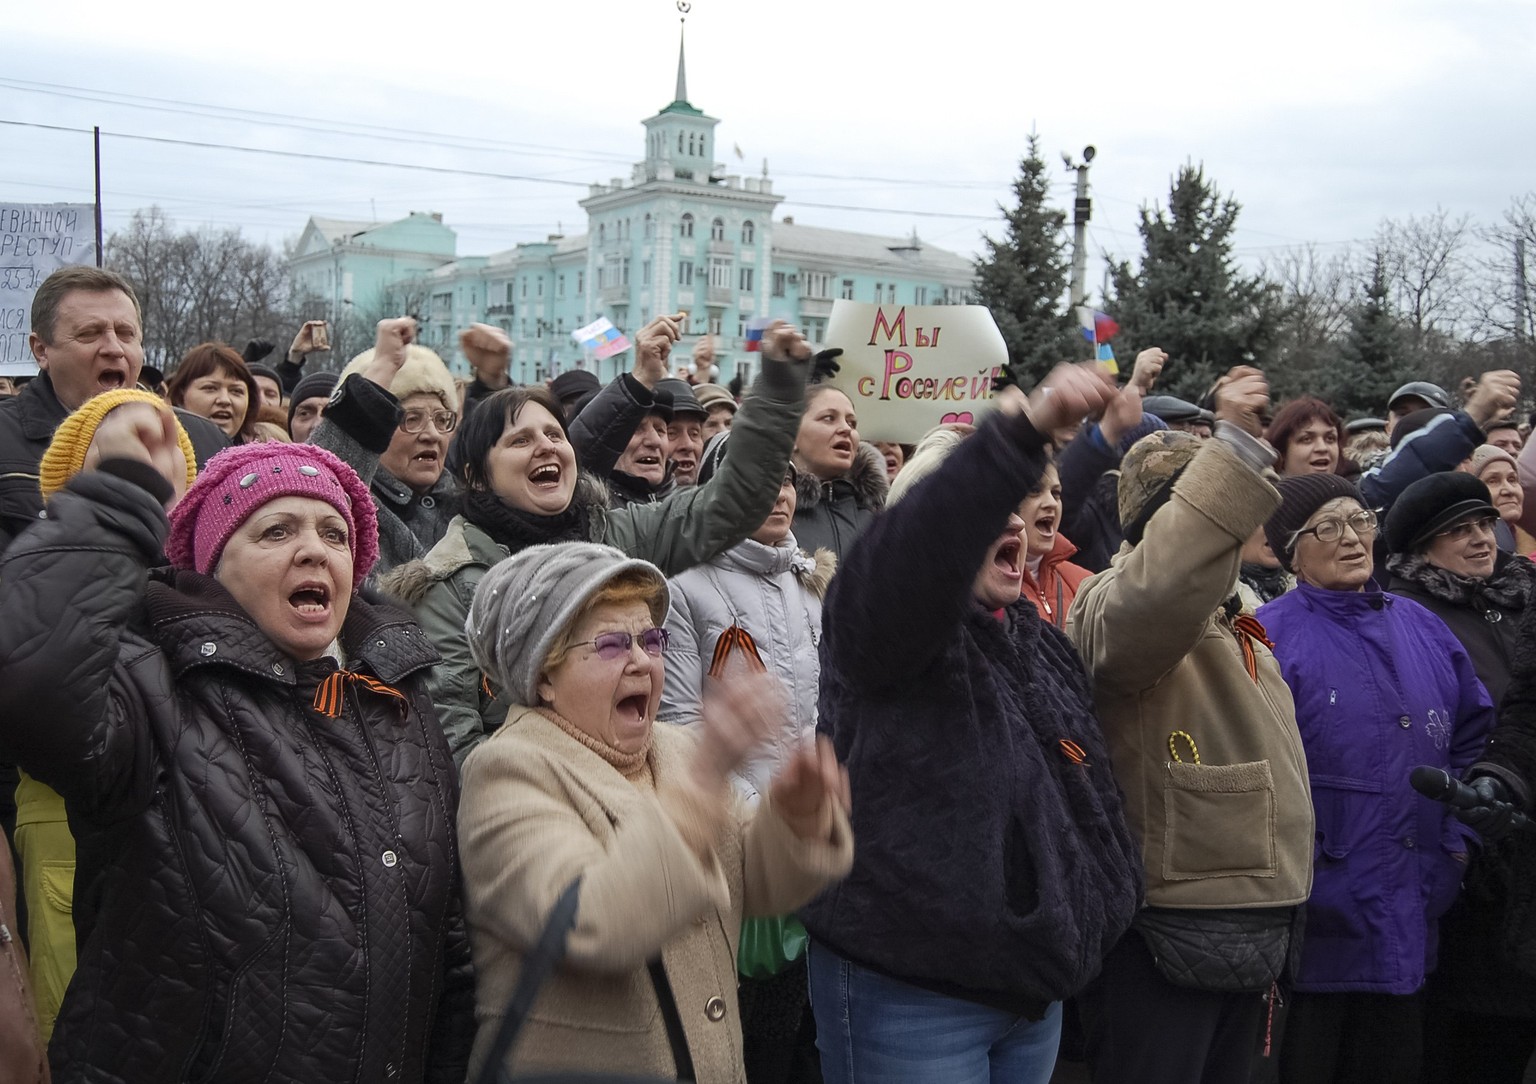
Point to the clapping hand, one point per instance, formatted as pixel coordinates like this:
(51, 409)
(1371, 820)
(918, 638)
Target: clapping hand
(808, 791)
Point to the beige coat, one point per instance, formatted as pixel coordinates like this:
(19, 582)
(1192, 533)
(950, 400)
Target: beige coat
(538, 809)
(1236, 829)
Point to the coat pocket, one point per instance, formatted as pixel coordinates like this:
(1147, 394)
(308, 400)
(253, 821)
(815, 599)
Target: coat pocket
(1219, 821)
(589, 1001)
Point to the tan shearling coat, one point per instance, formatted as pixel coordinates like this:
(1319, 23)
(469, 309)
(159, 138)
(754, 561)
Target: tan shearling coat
(1236, 829)
(538, 809)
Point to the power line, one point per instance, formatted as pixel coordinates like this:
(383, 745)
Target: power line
(373, 131)
(449, 170)
(308, 155)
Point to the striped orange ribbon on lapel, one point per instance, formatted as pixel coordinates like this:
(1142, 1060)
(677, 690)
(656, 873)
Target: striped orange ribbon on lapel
(1248, 630)
(731, 639)
(330, 696)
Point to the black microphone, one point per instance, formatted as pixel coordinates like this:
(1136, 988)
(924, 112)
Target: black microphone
(1441, 786)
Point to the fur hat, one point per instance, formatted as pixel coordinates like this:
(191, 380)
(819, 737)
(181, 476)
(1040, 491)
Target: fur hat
(239, 480)
(930, 452)
(422, 373)
(65, 456)
(1300, 496)
(1149, 469)
(525, 603)
(1434, 503)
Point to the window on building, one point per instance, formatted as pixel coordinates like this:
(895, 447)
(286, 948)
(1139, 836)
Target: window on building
(879, 292)
(650, 228)
(817, 285)
(524, 281)
(746, 280)
(690, 143)
(717, 230)
(624, 271)
(847, 294)
(539, 286)
(524, 333)
(472, 295)
(720, 274)
(679, 142)
(602, 233)
(538, 329)
(581, 283)
(685, 227)
(778, 283)
(714, 324)
(920, 295)
(890, 294)
(645, 272)
(748, 232)
(685, 273)
(509, 293)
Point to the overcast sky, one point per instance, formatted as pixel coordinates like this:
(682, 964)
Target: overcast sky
(1320, 116)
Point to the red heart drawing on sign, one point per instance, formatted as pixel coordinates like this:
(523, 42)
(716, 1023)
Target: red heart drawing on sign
(958, 419)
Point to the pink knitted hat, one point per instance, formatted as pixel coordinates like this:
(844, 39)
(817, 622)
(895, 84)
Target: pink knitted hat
(239, 480)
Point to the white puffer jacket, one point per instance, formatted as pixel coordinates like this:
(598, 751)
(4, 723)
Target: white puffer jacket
(774, 593)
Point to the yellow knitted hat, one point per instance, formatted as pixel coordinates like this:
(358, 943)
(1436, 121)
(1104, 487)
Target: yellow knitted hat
(65, 456)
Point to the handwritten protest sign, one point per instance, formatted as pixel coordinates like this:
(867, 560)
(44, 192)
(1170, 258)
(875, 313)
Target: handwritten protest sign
(908, 368)
(36, 239)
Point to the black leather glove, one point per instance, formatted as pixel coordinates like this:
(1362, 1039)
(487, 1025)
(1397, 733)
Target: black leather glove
(824, 365)
(1005, 376)
(1496, 816)
(255, 350)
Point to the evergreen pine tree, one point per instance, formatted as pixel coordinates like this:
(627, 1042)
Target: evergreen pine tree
(1372, 358)
(1023, 278)
(1187, 296)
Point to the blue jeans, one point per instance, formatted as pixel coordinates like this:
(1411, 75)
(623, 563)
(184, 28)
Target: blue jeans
(876, 1030)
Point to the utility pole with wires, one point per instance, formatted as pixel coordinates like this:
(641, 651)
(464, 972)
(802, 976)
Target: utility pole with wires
(1082, 208)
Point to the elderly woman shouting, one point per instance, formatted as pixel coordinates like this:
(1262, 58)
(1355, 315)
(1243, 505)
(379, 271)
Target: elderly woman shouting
(263, 799)
(581, 783)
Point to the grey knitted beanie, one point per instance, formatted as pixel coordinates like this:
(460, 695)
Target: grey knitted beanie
(524, 603)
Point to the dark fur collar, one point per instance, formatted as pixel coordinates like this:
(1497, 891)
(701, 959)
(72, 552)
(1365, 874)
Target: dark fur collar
(1509, 588)
(866, 481)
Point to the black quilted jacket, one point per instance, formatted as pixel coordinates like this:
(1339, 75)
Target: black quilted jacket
(265, 893)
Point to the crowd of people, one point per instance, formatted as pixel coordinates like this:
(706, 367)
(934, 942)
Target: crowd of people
(378, 725)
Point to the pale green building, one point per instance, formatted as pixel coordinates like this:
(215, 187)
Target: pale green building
(680, 234)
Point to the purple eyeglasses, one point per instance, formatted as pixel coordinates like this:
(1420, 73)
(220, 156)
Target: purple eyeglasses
(615, 645)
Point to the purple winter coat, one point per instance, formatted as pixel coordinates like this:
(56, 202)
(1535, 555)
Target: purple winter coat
(1380, 686)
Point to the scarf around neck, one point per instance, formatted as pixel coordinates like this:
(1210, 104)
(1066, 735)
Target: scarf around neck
(516, 529)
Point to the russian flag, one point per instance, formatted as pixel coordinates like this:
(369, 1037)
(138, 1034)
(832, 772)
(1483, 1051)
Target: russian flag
(755, 331)
(1097, 327)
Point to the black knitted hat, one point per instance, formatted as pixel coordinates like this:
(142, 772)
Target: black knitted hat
(1434, 503)
(313, 386)
(1300, 496)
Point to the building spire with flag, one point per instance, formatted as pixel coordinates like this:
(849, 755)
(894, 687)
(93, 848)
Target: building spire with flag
(683, 7)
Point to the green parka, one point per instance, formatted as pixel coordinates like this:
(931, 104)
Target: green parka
(685, 529)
